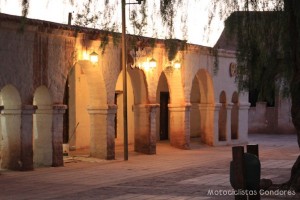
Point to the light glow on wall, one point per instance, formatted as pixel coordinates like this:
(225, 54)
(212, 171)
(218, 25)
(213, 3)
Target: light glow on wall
(177, 64)
(85, 55)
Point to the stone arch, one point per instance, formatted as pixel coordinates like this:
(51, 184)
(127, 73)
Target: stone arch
(86, 94)
(174, 78)
(139, 85)
(101, 114)
(42, 127)
(235, 116)
(202, 100)
(77, 97)
(119, 119)
(206, 87)
(195, 97)
(162, 98)
(162, 83)
(222, 117)
(96, 87)
(10, 97)
(142, 133)
(10, 132)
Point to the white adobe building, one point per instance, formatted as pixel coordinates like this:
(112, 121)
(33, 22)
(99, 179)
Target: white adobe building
(50, 92)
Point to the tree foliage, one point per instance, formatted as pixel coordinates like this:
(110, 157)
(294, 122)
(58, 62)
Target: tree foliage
(164, 13)
(25, 7)
(268, 52)
(259, 28)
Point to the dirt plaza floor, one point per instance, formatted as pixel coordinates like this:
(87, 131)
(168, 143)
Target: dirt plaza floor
(201, 173)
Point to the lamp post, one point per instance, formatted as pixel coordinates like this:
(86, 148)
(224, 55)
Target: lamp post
(124, 63)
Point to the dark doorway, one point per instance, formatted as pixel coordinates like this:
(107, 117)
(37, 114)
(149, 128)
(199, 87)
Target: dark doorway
(116, 116)
(164, 116)
(66, 114)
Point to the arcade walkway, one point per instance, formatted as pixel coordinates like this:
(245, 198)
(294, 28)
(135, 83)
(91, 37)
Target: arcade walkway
(173, 174)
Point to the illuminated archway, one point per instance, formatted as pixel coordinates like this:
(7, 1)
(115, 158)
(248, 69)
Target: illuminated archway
(119, 120)
(143, 141)
(77, 119)
(162, 98)
(202, 100)
(139, 85)
(206, 87)
(88, 112)
(10, 128)
(195, 112)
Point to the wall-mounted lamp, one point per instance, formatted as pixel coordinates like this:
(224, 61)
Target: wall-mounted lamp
(173, 64)
(177, 64)
(152, 63)
(94, 57)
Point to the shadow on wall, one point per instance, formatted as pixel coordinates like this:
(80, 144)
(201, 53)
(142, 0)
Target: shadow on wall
(235, 116)
(223, 117)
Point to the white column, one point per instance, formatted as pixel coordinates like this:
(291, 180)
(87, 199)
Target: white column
(102, 130)
(243, 122)
(216, 111)
(42, 136)
(228, 122)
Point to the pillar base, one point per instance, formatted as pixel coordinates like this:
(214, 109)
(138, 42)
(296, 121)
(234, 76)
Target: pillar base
(102, 131)
(180, 125)
(145, 128)
(26, 137)
(57, 134)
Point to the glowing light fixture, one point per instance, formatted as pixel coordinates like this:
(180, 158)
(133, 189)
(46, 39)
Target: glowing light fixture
(177, 64)
(152, 63)
(94, 57)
